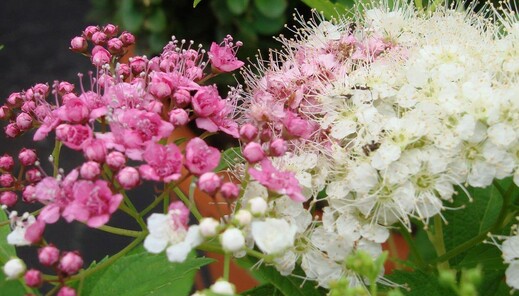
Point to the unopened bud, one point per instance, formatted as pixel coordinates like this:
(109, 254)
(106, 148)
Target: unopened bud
(14, 268)
(208, 227)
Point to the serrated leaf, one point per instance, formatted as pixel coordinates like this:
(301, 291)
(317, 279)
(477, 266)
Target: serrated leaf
(145, 274)
(11, 287)
(489, 256)
(229, 158)
(195, 3)
(286, 285)
(237, 6)
(271, 8)
(6, 250)
(419, 283)
(327, 8)
(262, 290)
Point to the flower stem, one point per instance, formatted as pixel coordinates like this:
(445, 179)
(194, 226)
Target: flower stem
(190, 204)
(55, 157)
(226, 265)
(437, 241)
(120, 231)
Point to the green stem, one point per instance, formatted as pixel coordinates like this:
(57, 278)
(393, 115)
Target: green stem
(437, 241)
(55, 157)
(418, 4)
(152, 205)
(133, 210)
(412, 246)
(226, 265)
(190, 204)
(120, 231)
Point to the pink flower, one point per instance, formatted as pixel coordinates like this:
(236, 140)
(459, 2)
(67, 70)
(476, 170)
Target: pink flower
(223, 57)
(128, 177)
(206, 101)
(178, 117)
(6, 162)
(35, 232)
(280, 182)
(90, 170)
(12, 130)
(73, 135)
(253, 152)
(201, 158)
(179, 214)
(33, 278)
(24, 121)
(229, 190)
(93, 203)
(278, 147)
(55, 195)
(209, 182)
(115, 160)
(164, 162)
(78, 44)
(74, 111)
(94, 149)
(48, 255)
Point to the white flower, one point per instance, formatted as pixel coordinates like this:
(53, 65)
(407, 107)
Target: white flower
(178, 252)
(222, 287)
(243, 217)
(14, 268)
(258, 206)
(163, 232)
(273, 235)
(208, 227)
(20, 225)
(232, 240)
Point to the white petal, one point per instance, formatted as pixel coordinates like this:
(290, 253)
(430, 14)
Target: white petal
(178, 252)
(154, 244)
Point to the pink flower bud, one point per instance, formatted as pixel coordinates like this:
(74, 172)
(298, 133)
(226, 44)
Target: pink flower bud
(6, 162)
(28, 194)
(28, 106)
(8, 198)
(12, 130)
(95, 150)
(41, 88)
(160, 90)
(178, 117)
(115, 46)
(100, 56)
(66, 291)
(99, 38)
(127, 38)
(78, 44)
(115, 160)
(48, 255)
(27, 157)
(89, 31)
(248, 132)
(90, 170)
(24, 121)
(182, 97)
(33, 175)
(265, 135)
(65, 87)
(138, 64)
(128, 177)
(6, 180)
(33, 278)
(209, 182)
(110, 30)
(229, 190)
(15, 99)
(70, 263)
(278, 147)
(5, 113)
(123, 70)
(253, 152)
(296, 127)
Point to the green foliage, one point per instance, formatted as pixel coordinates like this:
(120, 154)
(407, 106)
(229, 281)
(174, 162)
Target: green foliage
(6, 251)
(141, 273)
(328, 8)
(419, 283)
(11, 287)
(229, 158)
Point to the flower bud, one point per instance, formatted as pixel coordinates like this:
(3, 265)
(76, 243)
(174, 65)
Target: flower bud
(24, 121)
(222, 287)
(14, 268)
(127, 38)
(232, 240)
(94, 150)
(243, 217)
(89, 31)
(248, 132)
(6, 162)
(90, 170)
(6, 180)
(182, 97)
(208, 227)
(115, 46)
(128, 177)
(209, 182)
(138, 64)
(15, 99)
(100, 56)
(253, 152)
(78, 44)
(5, 112)
(123, 70)
(28, 107)
(12, 130)
(229, 190)
(27, 157)
(65, 87)
(278, 147)
(66, 291)
(28, 194)
(33, 278)
(115, 160)
(160, 90)
(265, 135)
(48, 255)
(70, 263)
(8, 198)
(33, 175)
(258, 206)
(110, 30)
(178, 117)
(99, 38)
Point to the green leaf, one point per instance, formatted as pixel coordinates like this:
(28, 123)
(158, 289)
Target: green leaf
(11, 287)
(195, 3)
(229, 158)
(237, 6)
(156, 21)
(419, 283)
(271, 8)
(145, 274)
(6, 250)
(328, 8)
(268, 26)
(131, 17)
(262, 290)
(1, 46)
(286, 285)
